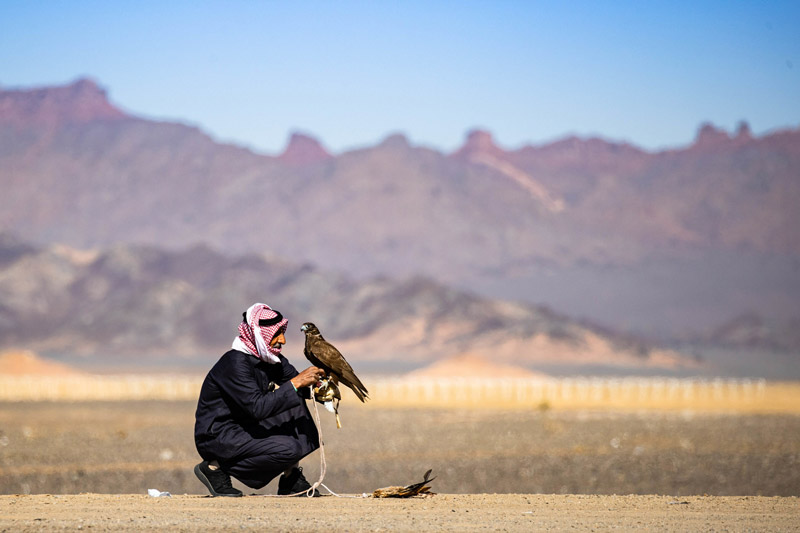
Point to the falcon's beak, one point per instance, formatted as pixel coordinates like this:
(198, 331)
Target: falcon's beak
(303, 328)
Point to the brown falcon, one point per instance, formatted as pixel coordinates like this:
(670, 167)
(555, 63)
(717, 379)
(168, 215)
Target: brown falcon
(324, 355)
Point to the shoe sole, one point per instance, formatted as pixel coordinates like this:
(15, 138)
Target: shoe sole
(203, 479)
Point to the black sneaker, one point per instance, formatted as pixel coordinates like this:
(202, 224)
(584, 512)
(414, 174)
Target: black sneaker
(295, 482)
(216, 481)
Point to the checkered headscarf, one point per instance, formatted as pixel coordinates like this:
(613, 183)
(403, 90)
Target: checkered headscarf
(259, 326)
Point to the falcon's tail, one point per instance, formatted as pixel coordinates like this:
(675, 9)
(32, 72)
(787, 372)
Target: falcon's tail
(355, 385)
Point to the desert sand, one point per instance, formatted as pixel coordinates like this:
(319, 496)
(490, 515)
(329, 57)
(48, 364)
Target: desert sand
(443, 512)
(87, 466)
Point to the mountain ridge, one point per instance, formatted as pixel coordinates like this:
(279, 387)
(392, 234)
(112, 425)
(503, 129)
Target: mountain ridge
(85, 100)
(398, 210)
(137, 304)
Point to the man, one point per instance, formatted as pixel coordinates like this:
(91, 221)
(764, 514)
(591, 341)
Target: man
(252, 421)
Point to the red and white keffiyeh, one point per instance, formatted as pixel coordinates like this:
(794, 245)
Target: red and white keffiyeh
(260, 325)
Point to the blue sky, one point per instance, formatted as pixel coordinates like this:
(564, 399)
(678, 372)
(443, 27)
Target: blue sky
(351, 73)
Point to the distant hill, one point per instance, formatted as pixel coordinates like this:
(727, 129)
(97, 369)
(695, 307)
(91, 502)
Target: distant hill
(27, 363)
(136, 304)
(753, 331)
(472, 366)
(653, 242)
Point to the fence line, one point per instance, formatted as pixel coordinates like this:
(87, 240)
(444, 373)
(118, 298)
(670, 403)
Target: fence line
(576, 392)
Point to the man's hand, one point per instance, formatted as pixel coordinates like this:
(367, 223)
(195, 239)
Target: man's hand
(309, 376)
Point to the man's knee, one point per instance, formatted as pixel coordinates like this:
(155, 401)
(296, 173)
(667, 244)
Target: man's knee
(280, 454)
(291, 452)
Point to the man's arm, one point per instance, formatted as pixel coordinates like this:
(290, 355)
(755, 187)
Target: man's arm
(237, 380)
(301, 380)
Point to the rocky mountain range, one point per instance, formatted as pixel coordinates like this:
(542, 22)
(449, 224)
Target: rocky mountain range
(71, 159)
(135, 305)
(657, 243)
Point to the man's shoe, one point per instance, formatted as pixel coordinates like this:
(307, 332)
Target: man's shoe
(216, 481)
(295, 482)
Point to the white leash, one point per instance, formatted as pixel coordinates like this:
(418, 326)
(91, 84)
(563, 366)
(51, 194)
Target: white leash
(323, 465)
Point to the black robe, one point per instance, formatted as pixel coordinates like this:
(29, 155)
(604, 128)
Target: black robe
(254, 433)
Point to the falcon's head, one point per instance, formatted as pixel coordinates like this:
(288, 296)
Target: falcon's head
(309, 329)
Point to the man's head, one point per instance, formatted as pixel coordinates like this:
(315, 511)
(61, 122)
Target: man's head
(262, 332)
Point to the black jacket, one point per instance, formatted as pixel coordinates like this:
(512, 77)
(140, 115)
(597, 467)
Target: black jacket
(236, 406)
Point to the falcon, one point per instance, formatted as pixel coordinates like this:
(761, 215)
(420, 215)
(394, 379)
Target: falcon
(324, 355)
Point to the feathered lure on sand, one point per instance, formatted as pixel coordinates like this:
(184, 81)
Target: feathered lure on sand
(407, 491)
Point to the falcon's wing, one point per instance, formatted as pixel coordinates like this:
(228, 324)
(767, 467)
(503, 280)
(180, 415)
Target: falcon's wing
(308, 351)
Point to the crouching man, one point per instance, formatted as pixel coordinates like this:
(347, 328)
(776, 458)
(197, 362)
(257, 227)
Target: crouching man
(252, 421)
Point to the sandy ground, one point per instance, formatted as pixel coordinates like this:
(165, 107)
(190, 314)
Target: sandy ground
(87, 466)
(443, 512)
(133, 446)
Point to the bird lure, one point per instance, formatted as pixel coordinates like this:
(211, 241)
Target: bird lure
(415, 489)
